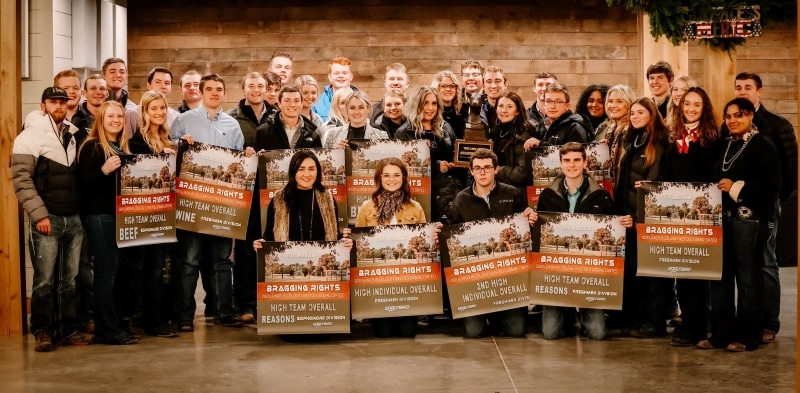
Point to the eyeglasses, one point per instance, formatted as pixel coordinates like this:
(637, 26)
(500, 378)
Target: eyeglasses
(737, 115)
(482, 169)
(448, 87)
(474, 75)
(554, 103)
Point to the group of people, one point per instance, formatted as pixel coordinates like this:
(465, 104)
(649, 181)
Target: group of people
(64, 165)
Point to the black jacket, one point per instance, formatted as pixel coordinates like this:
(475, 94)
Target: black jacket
(593, 198)
(84, 120)
(509, 140)
(248, 121)
(758, 166)
(385, 124)
(272, 136)
(570, 127)
(441, 147)
(781, 133)
(632, 169)
(99, 194)
(697, 165)
(504, 200)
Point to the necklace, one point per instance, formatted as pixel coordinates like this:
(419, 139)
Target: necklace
(726, 164)
(311, 221)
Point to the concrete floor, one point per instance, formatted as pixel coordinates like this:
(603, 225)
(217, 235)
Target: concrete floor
(217, 359)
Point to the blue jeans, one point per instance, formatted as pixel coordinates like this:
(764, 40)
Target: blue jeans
(512, 322)
(738, 318)
(217, 250)
(54, 302)
(101, 229)
(593, 320)
(772, 281)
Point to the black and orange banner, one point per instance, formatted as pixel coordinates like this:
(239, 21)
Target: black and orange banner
(274, 175)
(303, 288)
(366, 153)
(146, 200)
(395, 272)
(580, 261)
(487, 265)
(215, 190)
(679, 230)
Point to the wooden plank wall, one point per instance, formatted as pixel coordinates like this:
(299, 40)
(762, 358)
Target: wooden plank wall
(590, 44)
(583, 42)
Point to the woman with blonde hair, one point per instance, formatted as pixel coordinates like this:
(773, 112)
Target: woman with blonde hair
(357, 109)
(309, 91)
(145, 263)
(337, 116)
(424, 113)
(446, 83)
(680, 86)
(618, 104)
(97, 163)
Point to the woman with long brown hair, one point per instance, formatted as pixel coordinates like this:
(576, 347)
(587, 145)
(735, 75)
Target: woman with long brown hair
(694, 145)
(643, 151)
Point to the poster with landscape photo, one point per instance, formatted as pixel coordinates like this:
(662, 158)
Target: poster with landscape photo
(487, 265)
(579, 261)
(303, 288)
(395, 272)
(545, 165)
(366, 153)
(679, 229)
(274, 175)
(214, 190)
(145, 212)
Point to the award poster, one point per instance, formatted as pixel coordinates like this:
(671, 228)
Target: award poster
(303, 288)
(146, 200)
(545, 164)
(215, 190)
(366, 153)
(487, 265)
(580, 261)
(598, 164)
(679, 230)
(396, 272)
(275, 174)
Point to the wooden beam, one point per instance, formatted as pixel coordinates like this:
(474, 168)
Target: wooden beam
(11, 298)
(719, 72)
(797, 314)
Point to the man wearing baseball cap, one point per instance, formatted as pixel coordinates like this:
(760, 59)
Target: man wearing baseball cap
(43, 163)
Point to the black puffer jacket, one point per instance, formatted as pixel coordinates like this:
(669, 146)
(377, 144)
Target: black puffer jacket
(593, 199)
(504, 200)
(272, 136)
(569, 127)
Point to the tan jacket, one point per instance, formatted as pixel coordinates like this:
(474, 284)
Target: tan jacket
(410, 213)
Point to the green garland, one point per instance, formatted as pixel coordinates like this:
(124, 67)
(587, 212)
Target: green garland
(668, 18)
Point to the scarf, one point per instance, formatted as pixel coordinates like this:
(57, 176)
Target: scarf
(689, 136)
(389, 203)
